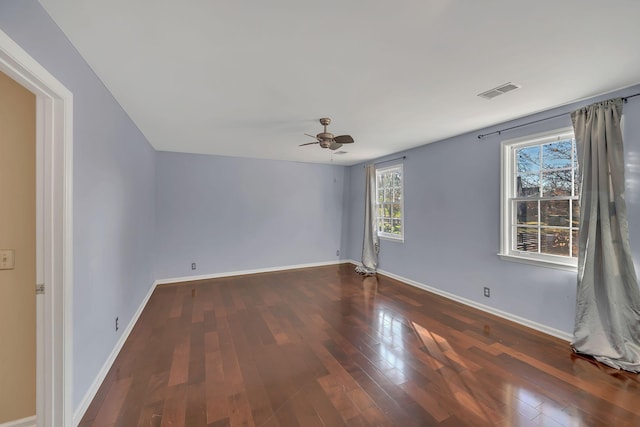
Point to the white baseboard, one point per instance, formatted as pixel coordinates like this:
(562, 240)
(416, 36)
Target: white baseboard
(24, 422)
(97, 382)
(505, 315)
(509, 316)
(243, 272)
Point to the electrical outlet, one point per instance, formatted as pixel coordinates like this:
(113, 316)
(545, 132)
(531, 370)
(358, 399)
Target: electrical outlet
(193, 265)
(338, 252)
(487, 292)
(117, 326)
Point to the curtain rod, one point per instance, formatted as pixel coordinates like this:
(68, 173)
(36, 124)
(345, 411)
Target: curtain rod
(386, 161)
(482, 135)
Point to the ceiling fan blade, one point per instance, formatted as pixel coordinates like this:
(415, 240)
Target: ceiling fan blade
(344, 139)
(334, 146)
(308, 143)
(312, 136)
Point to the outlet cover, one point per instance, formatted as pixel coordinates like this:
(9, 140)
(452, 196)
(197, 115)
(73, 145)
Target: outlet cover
(193, 265)
(487, 292)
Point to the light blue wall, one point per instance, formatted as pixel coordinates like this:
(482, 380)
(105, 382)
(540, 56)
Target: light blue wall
(452, 219)
(136, 211)
(113, 191)
(231, 214)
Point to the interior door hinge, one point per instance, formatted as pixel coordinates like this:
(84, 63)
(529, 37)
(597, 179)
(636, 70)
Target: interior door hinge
(40, 288)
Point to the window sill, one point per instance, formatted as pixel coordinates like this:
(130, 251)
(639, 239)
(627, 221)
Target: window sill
(558, 265)
(392, 239)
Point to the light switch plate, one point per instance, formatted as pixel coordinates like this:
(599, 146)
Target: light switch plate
(6, 259)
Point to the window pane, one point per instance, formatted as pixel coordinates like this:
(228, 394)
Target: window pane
(556, 183)
(397, 212)
(574, 246)
(385, 180)
(379, 182)
(397, 226)
(527, 239)
(555, 212)
(527, 213)
(528, 185)
(386, 226)
(576, 182)
(528, 159)
(388, 195)
(557, 155)
(397, 179)
(380, 196)
(386, 211)
(380, 211)
(397, 194)
(575, 213)
(554, 241)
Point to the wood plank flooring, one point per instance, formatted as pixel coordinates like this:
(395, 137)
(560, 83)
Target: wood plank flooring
(327, 347)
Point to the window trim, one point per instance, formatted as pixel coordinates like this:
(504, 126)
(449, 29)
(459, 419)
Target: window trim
(381, 234)
(507, 166)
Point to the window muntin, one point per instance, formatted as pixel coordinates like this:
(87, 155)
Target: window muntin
(541, 198)
(389, 202)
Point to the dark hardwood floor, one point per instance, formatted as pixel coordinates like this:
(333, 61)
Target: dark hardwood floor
(326, 347)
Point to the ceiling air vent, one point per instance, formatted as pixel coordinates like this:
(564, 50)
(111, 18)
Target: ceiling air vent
(340, 152)
(497, 91)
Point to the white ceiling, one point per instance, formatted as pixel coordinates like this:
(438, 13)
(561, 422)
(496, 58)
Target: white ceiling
(248, 78)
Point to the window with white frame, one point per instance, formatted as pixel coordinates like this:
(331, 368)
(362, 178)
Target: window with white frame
(540, 199)
(390, 202)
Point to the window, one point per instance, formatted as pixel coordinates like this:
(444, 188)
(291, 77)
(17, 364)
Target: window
(540, 199)
(389, 202)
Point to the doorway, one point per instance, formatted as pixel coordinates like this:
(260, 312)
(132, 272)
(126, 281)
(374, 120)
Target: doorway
(53, 250)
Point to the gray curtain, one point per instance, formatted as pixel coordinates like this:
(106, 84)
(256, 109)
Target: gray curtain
(607, 324)
(370, 244)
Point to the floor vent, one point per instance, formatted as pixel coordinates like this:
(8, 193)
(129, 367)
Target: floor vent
(497, 91)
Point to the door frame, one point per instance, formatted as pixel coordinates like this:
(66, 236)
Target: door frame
(54, 232)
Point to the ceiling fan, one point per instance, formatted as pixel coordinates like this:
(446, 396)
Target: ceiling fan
(327, 140)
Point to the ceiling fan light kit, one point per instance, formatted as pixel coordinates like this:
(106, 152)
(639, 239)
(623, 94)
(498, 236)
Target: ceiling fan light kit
(327, 139)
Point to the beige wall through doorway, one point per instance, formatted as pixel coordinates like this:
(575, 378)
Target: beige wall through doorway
(17, 232)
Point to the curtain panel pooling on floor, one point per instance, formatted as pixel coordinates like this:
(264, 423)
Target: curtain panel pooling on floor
(370, 244)
(607, 324)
